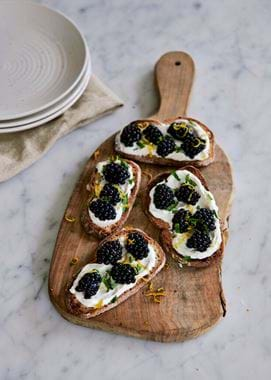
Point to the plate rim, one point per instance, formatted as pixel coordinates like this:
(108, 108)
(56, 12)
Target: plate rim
(48, 111)
(51, 117)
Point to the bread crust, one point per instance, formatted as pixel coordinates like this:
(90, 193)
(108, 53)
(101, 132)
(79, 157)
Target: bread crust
(76, 308)
(89, 226)
(168, 161)
(165, 234)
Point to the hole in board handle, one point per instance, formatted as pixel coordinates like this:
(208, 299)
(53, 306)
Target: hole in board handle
(177, 63)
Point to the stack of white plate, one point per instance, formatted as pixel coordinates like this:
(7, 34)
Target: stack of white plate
(44, 65)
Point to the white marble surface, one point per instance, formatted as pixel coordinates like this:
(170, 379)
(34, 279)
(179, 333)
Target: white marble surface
(230, 42)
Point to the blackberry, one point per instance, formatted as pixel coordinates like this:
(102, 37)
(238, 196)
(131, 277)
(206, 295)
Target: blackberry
(109, 253)
(137, 245)
(153, 134)
(187, 195)
(180, 221)
(179, 131)
(206, 219)
(193, 145)
(123, 273)
(166, 146)
(110, 194)
(200, 241)
(130, 134)
(89, 284)
(163, 196)
(115, 173)
(102, 210)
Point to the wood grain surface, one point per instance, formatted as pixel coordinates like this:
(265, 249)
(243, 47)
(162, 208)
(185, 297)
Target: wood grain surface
(194, 299)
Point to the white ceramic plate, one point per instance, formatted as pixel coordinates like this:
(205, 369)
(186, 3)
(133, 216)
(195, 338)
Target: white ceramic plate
(76, 95)
(50, 110)
(43, 57)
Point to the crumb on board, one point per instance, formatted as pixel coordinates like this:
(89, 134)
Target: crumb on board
(155, 294)
(96, 154)
(74, 261)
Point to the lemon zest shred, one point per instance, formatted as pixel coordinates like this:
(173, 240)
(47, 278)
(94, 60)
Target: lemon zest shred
(70, 219)
(99, 304)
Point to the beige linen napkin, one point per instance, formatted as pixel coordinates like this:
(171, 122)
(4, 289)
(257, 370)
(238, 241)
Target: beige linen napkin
(21, 149)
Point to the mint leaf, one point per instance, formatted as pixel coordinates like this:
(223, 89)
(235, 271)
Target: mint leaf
(187, 258)
(209, 196)
(140, 144)
(175, 175)
(108, 281)
(177, 228)
(114, 299)
(171, 207)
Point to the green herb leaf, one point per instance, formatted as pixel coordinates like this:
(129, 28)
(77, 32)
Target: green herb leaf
(125, 202)
(190, 181)
(177, 228)
(215, 214)
(175, 175)
(114, 299)
(178, 149)
(171, 207)
(140, 144)
(138, 268)
(187, 258)
(131, 181)
(209, 196)
(108, 281)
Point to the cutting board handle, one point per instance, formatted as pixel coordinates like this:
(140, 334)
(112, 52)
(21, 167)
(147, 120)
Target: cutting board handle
(174, 74)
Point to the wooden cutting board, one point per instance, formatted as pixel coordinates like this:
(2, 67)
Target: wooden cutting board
(194, 299)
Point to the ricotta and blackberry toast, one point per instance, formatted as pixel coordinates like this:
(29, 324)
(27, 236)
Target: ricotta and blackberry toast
(124, 263)
(114, 186)
(181, 205)
(179, 141)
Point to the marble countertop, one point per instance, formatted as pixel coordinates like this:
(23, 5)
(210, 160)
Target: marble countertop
(230, 43)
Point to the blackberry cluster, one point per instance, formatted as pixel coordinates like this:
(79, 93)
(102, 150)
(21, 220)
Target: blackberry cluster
(123, 273)
(187, 195)
(89, 284)
(110, 194)
(115, 173)
(137, 245)
(193, 145)
(153, 134)
(166, 146)
(180, 221)
(163, 196)
(179, 131)
(102, 210)
(130, 134)
(206, 219)
(200, 241)
(109, 253)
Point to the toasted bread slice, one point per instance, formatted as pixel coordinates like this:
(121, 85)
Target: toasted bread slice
(90, 226)
(166, 233)
(77, 308)
(151, 158)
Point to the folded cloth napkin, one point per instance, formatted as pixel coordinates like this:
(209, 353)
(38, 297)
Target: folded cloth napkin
(21, 149)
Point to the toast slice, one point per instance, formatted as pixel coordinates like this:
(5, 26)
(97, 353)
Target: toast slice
(144, 151)
(155, 256)
(166, 227)
(108, 227)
